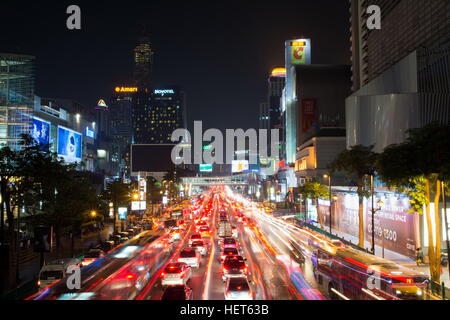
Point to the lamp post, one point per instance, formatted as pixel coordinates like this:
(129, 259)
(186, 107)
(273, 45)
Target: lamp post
(326, 176)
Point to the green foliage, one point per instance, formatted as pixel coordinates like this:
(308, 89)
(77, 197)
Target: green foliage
(358, 161)
(314, 190)
(425, 155)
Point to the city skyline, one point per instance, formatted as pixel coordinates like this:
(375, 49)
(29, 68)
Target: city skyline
(205, 37)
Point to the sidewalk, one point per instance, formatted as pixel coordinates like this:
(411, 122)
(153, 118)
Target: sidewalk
(395, 257)
(30, 270)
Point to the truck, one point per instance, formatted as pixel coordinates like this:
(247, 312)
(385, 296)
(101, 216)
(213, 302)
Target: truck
(225, 230)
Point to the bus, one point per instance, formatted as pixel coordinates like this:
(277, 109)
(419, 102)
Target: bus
(349, 274)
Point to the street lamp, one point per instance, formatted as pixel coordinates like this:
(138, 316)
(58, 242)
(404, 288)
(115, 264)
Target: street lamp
(136, 196)
(93, 213)
(326, 176)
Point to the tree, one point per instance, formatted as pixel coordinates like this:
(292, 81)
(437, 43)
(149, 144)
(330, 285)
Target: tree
(417, 167)
(314, 190)
(358, 161)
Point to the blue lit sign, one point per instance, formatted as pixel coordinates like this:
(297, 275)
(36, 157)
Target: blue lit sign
(41, 133)
(69, 145)
(89, 133)
(164, 91)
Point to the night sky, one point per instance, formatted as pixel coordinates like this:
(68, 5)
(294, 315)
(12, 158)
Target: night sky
(219, 52)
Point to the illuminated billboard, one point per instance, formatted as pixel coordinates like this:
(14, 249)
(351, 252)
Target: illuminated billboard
(138, 205)
(41, 133)
(239, 166)
(206, 168)
(299, 51)
(69, 145)
(163, 92)
(126, 89)
(122, 213)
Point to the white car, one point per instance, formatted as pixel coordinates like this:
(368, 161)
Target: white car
(190, 256)
(195, 237)
(177, 273)
(200, 247)
(238, 289)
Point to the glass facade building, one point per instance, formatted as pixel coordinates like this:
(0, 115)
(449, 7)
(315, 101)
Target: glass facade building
(16, 98)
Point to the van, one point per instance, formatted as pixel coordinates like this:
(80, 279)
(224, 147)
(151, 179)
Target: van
(55, 271)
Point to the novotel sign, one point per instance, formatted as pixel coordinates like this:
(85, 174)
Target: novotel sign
(164, 91)
(126, 89)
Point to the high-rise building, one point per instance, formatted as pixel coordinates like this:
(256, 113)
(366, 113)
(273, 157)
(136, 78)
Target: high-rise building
(297, 52)
(276, 82)
(400, 72)
(121, 124)
(16, 98)
(143, 63)
(264, 115)
(157, 115)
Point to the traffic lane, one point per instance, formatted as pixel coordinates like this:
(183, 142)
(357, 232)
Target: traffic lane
(153, 288)
(273, 276)
(217, 285)
(198, 275)
(301, 275)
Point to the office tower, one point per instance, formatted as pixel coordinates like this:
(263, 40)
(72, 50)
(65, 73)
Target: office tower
(16, 98)
(143, 63)
(122, 125)
(401, 78)
(297, 52)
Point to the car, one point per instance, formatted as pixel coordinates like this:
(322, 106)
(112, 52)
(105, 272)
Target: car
(107, 246)
(91, 256)
(234, 267)
(190, 256)
(234, 231)
(228, 252)
(194, 237)
(182, 292)
(229, 243)
(238, 289)
(200, 224)
(55, 271)
(175, 234)
(177, 273)
(200, 246)
(124, 234)
(204, 231)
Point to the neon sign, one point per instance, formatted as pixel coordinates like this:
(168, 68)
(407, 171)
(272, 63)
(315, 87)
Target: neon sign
(126, 89)
(164, 91)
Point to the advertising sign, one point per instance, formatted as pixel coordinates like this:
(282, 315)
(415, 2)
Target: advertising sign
(395, 228)
(393, 220)
(300, 51)
(138, 205)
(122, 213)
(41, 133)
(69, 145)
(206, 168)
(89, 133)
(308, 114)
(239, 166)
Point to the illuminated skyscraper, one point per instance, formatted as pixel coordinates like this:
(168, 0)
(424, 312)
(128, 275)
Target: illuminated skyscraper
(16, 98)
(143, 63)
(156, 116)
